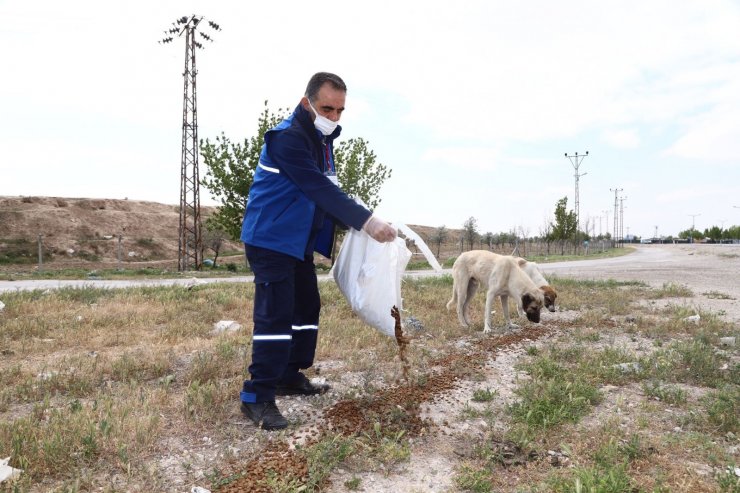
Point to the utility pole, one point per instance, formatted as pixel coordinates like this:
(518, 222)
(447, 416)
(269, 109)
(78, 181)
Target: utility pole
(616, 211)
(606, 223)
(190, 246)
(576, 160)
(621, 218)
(693, 220)
(655, 235)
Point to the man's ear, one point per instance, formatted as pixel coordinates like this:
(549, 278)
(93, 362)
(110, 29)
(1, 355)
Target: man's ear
(306, 106)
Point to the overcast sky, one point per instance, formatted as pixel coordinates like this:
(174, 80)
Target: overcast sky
(472, 104)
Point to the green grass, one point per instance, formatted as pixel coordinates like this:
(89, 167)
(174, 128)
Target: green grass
(473, 479)
(717, 295)
(127, 370)
(553, 396)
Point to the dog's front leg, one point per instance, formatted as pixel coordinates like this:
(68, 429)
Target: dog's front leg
(505, 308)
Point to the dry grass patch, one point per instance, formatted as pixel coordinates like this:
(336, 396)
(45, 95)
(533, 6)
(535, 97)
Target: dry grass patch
(131, 390)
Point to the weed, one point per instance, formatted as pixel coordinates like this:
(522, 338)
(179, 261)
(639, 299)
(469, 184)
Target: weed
(728, 480)
(670, 290)
(476, 480)
(324, 456)
(484, 395)
(670, 394)
(716, 295)
(547, 403)
(723, 409)
(353, 484)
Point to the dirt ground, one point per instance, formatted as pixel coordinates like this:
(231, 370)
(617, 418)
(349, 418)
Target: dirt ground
(705, 269)
(711, 272)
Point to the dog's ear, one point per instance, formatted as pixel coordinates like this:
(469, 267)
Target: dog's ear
(549, 292)
(526, 300)
(522, 262)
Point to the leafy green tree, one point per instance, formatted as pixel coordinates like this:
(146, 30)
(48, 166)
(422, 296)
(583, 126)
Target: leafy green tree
(439, 236)
(470, 228)
(715, 233)
(565, 221)
(694, 234)
(733, 232)
(488, 239)
(359, 172)
(213, 238)
(230, 171)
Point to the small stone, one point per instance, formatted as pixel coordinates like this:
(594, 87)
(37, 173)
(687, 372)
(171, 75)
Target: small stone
(225, 326)
(727, 341)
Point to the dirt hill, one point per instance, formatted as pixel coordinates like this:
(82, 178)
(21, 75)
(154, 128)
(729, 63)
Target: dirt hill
(86, 230)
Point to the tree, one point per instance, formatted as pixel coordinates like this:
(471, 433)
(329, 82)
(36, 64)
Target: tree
(471, 230)
(488, 239)
(439, 236)
(693, 234)
(565, 223)
(715, 233)
(230, 171)
(358, 171)
(213, 238)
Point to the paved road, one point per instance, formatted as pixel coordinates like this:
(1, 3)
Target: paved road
(655, 264)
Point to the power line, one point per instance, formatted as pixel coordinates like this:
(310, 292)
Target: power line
(190, 246)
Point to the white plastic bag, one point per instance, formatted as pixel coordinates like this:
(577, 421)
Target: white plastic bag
(368, 274)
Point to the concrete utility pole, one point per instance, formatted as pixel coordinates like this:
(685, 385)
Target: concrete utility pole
(576, 160)
(616, 211)
(606, 223)
(693, 220)
(190, 247)
(621, 218)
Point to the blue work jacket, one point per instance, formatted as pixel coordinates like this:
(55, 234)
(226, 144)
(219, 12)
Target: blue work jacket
(293, 206)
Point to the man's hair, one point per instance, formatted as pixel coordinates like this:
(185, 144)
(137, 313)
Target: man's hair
(321, 78)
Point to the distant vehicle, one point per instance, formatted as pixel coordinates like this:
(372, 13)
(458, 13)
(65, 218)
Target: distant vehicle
(646, 241)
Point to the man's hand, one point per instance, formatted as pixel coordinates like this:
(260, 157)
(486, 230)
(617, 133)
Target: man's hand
(379, 230)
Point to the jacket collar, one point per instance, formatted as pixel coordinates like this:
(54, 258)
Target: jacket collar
(304, 119)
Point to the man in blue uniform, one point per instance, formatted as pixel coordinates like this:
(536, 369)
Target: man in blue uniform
(293, 206)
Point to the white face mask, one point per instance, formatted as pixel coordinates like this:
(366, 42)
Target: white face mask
(322, 123)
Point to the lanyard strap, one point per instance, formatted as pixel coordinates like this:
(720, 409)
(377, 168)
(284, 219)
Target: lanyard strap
(327, 158)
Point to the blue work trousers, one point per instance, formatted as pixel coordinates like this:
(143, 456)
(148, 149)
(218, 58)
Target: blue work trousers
(286, 321)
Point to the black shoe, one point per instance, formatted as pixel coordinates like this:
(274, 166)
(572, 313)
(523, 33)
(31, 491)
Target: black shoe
(302, 386)
(266, 413)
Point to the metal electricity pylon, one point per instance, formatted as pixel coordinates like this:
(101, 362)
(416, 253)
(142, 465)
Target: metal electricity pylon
(616, 211)
(576, 160)
(190, 247)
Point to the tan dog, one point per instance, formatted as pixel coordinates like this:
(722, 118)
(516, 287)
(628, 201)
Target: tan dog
(502, 276)
(534, 273)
